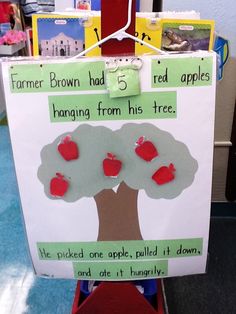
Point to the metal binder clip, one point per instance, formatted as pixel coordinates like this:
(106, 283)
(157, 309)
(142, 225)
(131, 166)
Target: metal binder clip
(112, 65)
(137, 63)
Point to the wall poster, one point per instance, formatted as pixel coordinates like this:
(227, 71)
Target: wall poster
(114, 188)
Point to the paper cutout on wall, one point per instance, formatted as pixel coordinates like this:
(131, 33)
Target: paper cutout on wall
(68, 149)
(111, 166)
(118, 211)
(145, 149)
(58, 185)
(164, 174)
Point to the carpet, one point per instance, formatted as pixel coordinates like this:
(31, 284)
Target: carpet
(215, 291)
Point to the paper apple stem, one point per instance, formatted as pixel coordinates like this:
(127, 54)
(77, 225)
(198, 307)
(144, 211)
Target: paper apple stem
(68, 149)
(58, 185)
(111, 156)
(66, 139)
(111, 166)
(140, 140)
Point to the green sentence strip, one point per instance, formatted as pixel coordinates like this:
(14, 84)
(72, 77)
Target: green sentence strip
(101, 107)
(57, 77)
(121, 271)
(120, 250)
(182, 72)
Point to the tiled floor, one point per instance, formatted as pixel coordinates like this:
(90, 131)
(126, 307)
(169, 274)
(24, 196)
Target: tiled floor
(20, 291)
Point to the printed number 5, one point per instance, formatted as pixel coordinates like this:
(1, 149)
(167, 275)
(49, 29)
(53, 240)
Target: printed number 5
(122, 83)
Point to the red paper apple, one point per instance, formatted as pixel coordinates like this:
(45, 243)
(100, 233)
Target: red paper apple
(111, 166)
(58, 185)
(146, 149)
(68, 149)
(164, 174)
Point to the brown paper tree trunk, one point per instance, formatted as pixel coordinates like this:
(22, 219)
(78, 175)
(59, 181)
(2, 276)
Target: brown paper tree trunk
(118, 214)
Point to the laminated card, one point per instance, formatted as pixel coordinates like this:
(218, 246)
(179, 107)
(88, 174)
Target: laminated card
(114, 188)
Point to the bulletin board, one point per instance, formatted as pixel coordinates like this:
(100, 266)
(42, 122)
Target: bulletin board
(114, 186)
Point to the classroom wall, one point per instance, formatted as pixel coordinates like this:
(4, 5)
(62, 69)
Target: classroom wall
(224, 14)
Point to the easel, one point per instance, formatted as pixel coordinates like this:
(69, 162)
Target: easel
(111, 297)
